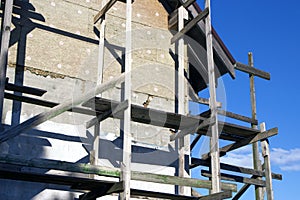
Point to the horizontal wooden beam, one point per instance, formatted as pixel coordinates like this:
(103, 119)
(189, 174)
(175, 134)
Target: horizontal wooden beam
(57, 110)
(251, 70)
(97, 192)
(244, 142)
(110, 172)
(190, 25)
(231, 115)
(24, 89)
(239, 179)
(45, 103)
(238, 117)
(105, 8)
(184, 132)
(195, 98)
(109, 113)
(197, 162)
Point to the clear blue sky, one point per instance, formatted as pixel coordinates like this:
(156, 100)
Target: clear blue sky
(271, 30)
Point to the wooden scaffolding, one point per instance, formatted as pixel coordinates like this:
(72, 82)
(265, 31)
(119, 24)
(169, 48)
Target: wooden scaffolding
(91, 188)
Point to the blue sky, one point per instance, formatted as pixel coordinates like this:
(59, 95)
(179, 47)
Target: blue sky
(270, 29)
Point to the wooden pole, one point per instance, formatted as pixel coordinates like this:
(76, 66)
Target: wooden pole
(4, 52)
(214, 140)
(266, 154)
(256, 160)
(182, 15)
(57, 110)
(94, 156)
(127, 138)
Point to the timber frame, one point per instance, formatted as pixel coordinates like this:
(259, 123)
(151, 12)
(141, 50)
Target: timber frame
(207, 122)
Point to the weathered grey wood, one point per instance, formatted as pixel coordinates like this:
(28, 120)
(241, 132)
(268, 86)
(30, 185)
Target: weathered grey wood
(173, 17)
(214, 140)
(97, 192)
(182, 15)
(105, 8)
(184, 132)
(219, 195)
(106, 171)
(109, 113)
(250, 140)
(267, 164)
(24, 89)
(239, 179)
(251, 70)
(55, 111)
(7, 16)
(231, 115)
(190, 25)
(196, 162)
(76, 182)
(142, 115)
(127, 137)
(45, 103)
(195, 98)
(256, 159)
(174, 180)
(237, 116)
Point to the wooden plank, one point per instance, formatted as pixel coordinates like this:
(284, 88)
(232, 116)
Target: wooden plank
(97, 192)
(180, 85)
(142, 115)
(239, 179)
(127, 137)
(6, 26)
(196, 162)
(173, 17)
(251, 70)
(256, 159)
(237, 116)
(174, 180)
(73, 181)
(219, 196)
(267, 163)
(106, 171)
(45, 103)
(105, 8)
(184, 132)
(214, 140)
(24, 89)
(109, 113)
(190, 25)
(55, 111)
(195, 98)
(231, 115)
(234, 129)
(250, 140)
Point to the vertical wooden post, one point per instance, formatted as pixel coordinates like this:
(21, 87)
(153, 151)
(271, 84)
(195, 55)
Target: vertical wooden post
(266, 154)
(95, 153)
(256, 161)
(4, 51)
(127, 138)
(182, 15)
(214, 140)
